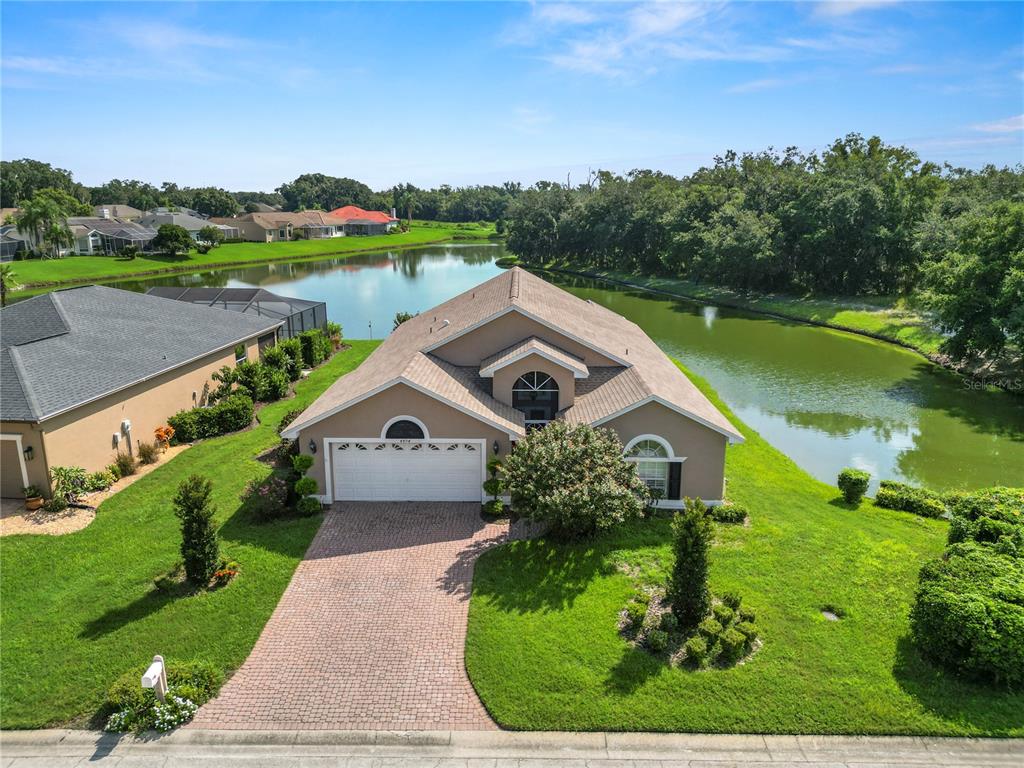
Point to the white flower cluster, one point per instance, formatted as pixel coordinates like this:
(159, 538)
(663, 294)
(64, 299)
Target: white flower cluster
(118, 722)
(173, 712)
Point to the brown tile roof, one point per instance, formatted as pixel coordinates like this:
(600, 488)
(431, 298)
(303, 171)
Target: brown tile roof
(645, 373)
(534, 345)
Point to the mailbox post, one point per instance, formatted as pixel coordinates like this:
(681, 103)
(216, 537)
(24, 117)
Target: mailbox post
(156, 677)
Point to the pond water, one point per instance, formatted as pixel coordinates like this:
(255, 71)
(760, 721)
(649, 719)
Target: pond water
(825, 398)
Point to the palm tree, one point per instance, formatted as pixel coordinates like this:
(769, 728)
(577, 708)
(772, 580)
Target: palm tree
(7, 283)
(43, 220)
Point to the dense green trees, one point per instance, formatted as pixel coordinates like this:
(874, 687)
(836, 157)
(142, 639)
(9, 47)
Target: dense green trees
(21, 179)
(43, 218)
(861, 217)
(325, 193)
(173, 239)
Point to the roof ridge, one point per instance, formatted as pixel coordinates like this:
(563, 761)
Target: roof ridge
(20, 375)
(513, 289)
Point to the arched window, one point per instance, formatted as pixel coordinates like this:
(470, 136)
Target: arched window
(404, 428)
(651, 454)
(536, 395)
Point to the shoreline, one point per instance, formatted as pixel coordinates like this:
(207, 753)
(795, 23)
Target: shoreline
(978, 376)
(26, 288)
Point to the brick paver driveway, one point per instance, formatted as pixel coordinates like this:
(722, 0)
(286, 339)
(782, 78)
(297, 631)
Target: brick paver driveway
(370, 632)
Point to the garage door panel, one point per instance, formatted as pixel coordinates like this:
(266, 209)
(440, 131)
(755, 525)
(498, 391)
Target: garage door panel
(407, 471)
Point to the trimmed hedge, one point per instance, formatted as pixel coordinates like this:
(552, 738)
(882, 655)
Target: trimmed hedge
(909, 498)
(231, 414)
(854, 484)
(968, 614)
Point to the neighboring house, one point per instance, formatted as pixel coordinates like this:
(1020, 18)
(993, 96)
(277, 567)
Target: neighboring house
(192, 223)
(12, 242)
(107, 235)
(272, 227)
(296, 315)
(117, 211)
(87, 372)
(263, 207)
(359, 221)
(466, 380)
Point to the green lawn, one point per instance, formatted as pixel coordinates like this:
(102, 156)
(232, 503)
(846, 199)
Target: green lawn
(79, 610)
(78, 269)
(889, 318)
(543, 649)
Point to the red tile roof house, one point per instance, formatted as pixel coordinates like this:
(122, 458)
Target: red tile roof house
(359, 221)
(461, 382)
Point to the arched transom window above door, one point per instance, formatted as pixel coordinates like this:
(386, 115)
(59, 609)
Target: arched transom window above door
(405, 428)
(536, 395)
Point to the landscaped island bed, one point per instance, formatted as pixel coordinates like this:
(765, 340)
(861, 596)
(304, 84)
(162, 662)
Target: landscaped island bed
(79, 269)
(544, 651)
(81, 609)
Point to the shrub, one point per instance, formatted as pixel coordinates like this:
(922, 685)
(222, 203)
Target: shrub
(573, 478)
(301, 463)
(696, 649)
(492, 486)
(306, 486)
(148, 453)
(688, 585)
(728, 513)
(908, 498)
(55, 504)
(732, 599)
(266, 499)
(710, 628)
(276, 358)
(493, 466)
(968, 613)
(854, 484)
(988, 516)
(315, 347)
(68, 483)
(99, 481)
(308, 506)
(277, 385)
(723, 614)
(635, 614)
(657, 640)
(199, 548)
(289, 417)
(748, 630)
(115, 471)
(747, 614)
(669, 622)
(733, 644)
(136, 709)
(31, 492)
(125, 464)
(493, 508)
(333, 330)
(233, 413)
(293, 349)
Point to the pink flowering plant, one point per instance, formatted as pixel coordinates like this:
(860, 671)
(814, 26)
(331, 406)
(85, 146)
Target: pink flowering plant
(266, 498)
(573, 478)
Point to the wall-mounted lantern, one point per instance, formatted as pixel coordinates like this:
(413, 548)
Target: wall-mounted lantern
(29, 453)
(312, 446)
(496, 448)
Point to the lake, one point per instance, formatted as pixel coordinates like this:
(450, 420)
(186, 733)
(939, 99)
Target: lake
(825, 398)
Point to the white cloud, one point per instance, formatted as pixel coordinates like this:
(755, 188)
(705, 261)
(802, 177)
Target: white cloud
(564, 13)
(840, 8)
(752, 86)
(1013, 124)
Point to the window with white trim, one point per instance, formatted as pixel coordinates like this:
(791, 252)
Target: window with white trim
(651, 458)
(536, 395)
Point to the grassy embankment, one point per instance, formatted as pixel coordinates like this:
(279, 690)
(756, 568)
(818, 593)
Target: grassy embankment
(79, 610)
(544, 651)
(81, 269)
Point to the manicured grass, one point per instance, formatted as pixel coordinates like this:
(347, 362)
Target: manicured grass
(543, 650)
(77, 269)
(79, 610)
(890, 318)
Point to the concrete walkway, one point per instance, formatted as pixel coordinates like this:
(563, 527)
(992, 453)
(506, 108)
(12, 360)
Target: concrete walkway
(196, 748)
(371, 631)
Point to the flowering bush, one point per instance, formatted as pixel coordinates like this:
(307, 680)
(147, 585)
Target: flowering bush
(134, 708)
(266, 498)
(164, 434)
(574, 478)
(224, 574)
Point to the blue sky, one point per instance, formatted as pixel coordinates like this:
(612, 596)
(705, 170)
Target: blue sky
(248, 95)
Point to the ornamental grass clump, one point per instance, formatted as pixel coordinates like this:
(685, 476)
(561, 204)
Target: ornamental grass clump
(574, 479)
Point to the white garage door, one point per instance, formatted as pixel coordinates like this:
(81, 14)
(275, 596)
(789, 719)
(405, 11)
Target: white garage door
(391, 470)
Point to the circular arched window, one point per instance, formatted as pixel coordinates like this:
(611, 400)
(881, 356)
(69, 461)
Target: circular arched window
(403, 429)
(536, 395)
(651, 456)
(647, 449)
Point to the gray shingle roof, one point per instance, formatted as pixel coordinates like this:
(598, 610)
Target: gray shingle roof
(66, 348)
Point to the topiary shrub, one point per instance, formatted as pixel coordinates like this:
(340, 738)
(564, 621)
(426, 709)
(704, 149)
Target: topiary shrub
(573, 477)
(656, 640)
(696, 650)
(308, 506)
(968, 613)
(732, 599)
(731, 514)
(635, 615)
(688, 585)
(200, 551)
(301, 463)
(669, 623)
(710, 628)
(909, 498)
(747, 614)
(492, 486)
(854, 484)
(748, 630)
(723, 614)
(733, 643)
(493, 508)
(306, 486)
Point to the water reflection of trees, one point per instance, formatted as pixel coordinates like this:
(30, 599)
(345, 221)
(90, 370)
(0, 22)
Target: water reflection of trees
(846, 424)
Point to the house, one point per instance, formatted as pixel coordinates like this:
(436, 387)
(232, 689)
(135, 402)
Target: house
(87, 372)
(464, 381)
(117, 211)
(107, 235)
(296, 315)
(157, 218)
(359, 221)
(12, 242)
(279, 225)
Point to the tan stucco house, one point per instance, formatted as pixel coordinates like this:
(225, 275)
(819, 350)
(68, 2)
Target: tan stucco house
(87, 372)
(464, 381)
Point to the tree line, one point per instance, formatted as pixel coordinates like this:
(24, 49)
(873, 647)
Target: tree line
(862, 217)
(20, 180)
